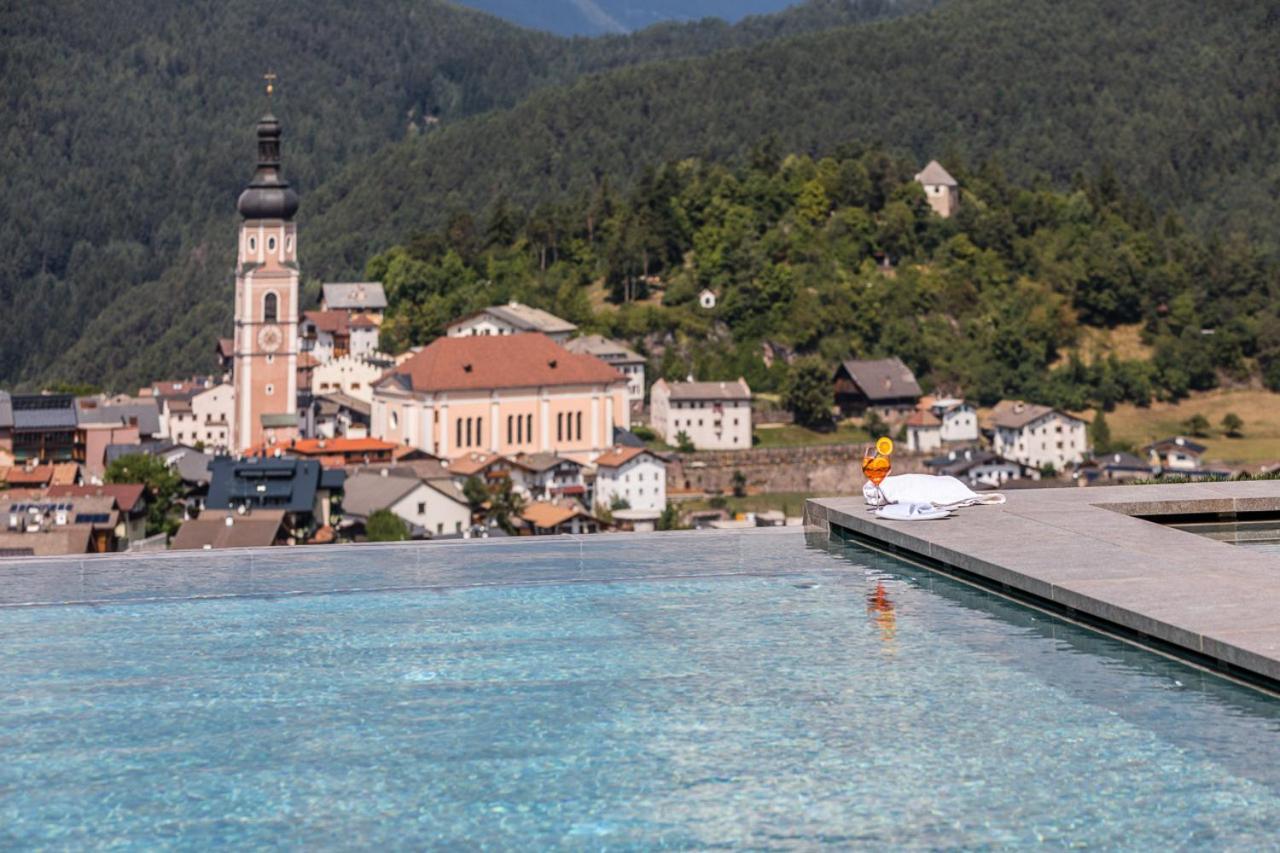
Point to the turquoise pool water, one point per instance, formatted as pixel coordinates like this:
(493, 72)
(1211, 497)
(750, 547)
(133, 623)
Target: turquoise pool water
(684, 691)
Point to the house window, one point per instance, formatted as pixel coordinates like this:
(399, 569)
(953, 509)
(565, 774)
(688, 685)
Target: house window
(440, 527)
(422, 508)
(288, 244)
(270, 307)
(560, 426)
(458, 428)
(479, 430)
(579, 422)
(457, 526)
(528, 426)
(509, 428)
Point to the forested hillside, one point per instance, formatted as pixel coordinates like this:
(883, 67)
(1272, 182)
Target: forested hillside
(842, 256)
(1179, 103)
(599, 17)
(128, 134)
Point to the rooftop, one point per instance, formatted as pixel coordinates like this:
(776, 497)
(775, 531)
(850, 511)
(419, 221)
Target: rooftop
(499, 361)
(603, 348)
(354, 295)
(882, 378)
(934, 174)
(707, 390)
(526, 318)
(229, 529)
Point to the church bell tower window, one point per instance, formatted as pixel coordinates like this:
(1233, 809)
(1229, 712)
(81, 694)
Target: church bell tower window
(270, 308)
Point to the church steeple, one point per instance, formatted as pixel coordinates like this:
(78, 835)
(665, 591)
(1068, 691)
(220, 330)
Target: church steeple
(268, 195)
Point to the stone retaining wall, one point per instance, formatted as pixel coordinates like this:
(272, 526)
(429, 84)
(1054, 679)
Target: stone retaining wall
(821, 469)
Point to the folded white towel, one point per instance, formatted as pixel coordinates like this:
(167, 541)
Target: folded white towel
(941, 492)
(911, 512)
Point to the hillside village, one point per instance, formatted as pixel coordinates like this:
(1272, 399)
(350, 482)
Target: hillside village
(511, 423)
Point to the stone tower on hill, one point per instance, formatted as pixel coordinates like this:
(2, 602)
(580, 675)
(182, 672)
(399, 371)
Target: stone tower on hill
(940, 188)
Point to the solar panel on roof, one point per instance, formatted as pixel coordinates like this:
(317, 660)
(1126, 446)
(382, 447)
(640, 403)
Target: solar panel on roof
(92, 518)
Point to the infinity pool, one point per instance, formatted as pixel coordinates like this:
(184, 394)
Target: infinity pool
(756, 690)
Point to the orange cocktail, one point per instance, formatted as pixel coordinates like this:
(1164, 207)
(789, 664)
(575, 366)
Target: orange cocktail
(877, 463)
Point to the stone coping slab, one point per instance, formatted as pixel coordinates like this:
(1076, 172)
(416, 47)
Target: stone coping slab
(1094, 555)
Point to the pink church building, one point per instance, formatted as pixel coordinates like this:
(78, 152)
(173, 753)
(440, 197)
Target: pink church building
(510, 394)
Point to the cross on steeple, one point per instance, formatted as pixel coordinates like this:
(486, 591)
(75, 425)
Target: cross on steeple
(270, 77)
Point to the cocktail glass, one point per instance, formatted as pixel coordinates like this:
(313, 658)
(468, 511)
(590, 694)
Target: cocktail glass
(876, 466)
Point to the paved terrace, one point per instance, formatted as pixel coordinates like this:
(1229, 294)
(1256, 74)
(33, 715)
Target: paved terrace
(1089, 554)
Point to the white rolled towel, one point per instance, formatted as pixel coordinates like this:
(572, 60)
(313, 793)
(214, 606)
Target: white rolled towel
(942, 492)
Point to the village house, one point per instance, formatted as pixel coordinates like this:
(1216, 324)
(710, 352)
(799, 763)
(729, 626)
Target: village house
(712, 415)
(431, 508)
(230, 529)
(326, 335)
(102, 422)
(353, 375)
(128, 499)
(336, 415)
(36, 524)
(1038, 436)
(508, 394)
(546, 476)
(635, 476)
(885, 386)
(942, 190)
(941, 421)
(1178, 454)
(553, 518)
(301, 488)
(1116, 467)
(620, 357)
(980, 468)
(707, 299)
(512, 319)
(40, 428)
(360, 297)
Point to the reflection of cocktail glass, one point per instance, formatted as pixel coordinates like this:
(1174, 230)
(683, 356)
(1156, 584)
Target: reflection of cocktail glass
(876, 466)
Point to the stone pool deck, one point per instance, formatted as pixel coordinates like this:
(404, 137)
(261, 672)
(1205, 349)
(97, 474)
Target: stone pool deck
(1091, 554)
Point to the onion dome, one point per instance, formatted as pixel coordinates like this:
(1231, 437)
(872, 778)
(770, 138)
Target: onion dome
(268, 195)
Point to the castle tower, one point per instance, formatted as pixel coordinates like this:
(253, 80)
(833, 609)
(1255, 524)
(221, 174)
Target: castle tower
(266, 322)
(942, 190)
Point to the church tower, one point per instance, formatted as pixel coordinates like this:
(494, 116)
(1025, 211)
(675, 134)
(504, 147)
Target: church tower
(266, 330)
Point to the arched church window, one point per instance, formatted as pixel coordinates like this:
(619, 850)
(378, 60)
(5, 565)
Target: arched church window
(270, 308)
(271, 244)
(253, 244)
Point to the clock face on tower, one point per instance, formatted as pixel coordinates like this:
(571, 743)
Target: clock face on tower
(270, 338)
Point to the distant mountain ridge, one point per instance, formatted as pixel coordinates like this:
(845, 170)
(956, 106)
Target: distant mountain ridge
(601, 17)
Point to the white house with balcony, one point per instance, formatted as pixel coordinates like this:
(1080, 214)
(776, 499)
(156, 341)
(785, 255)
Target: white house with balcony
(635, 475)
(1038, 436)
(714, 415)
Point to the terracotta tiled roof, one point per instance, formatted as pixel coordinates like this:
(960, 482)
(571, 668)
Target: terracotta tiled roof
(40, 475)
(339, 322)
(472, 463)
(923, 419)
(501, 361)
(549, 515)
(328, 446)
(616, 457)
(128, 496)
(1015, 414)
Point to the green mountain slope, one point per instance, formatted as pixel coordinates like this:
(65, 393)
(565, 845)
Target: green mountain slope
(128, 135)
(1179, 103)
